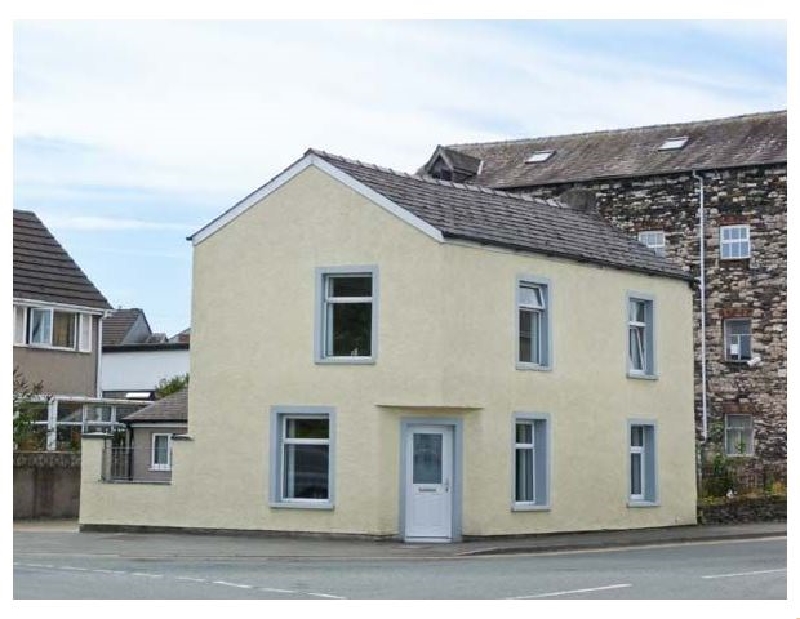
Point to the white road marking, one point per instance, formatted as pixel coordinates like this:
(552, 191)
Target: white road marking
(72, 568)
(268, 590)
(146, 575)
(555, 593)
(327, 596)
(231, 584)
(745, 573)
(190, 579)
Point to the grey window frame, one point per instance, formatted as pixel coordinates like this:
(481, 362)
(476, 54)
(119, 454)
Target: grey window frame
(650, 370)
(659, 250)
(546, 341)
(725, 326)
(320, 329)
(650, 497)
(728, 242)
(733, 453)
(275, 462)
(542, 448)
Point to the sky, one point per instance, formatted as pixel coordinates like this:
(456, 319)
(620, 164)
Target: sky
(129, 136)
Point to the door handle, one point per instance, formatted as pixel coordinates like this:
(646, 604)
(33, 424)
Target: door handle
(447, 484)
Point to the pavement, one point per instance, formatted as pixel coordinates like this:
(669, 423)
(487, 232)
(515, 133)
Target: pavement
(243, 546)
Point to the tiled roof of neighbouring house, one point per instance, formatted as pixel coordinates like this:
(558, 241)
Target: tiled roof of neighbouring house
(44, 271)
(751, 139)
(514, 221)
(118, 324)
(174, 407)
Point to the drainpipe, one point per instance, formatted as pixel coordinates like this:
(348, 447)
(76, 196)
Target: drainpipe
(703, 304)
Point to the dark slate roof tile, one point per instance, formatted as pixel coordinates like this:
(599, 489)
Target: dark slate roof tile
(751, 139)
(515, 221)
(174, 407)
(44, 271)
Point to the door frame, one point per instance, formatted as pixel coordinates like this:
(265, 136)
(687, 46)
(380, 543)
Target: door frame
(457, 426)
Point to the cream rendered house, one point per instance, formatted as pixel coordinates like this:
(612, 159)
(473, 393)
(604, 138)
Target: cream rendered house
(382, 354)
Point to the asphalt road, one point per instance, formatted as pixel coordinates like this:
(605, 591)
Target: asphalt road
(66, 568)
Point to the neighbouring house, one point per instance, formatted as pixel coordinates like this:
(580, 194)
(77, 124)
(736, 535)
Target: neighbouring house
(58, 324)
(136, 360)
(389, 355)
(650, 182)
(146, 454)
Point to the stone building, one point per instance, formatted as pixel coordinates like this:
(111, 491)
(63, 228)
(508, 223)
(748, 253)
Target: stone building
(650, 181)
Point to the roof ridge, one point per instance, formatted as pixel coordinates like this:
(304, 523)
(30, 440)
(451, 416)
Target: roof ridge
(435, 181)
(694, 123)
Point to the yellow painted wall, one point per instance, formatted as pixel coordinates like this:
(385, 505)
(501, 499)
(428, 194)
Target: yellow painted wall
(446, 333)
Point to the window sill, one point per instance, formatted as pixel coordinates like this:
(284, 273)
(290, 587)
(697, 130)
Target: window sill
(46, 347)
(643, 503)
(302, 504)
(521, 365)
(529, 507)
(346, 361)
(738, 455)
(642, 376)
(155, 469)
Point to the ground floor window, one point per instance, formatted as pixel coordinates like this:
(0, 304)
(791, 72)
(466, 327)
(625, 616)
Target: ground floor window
(530, 461)
(641, 462)
(739, 435)
(161, 452)
(302, 448)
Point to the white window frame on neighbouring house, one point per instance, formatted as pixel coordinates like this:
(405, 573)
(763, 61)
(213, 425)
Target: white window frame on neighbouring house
(155, 465)
(533, 303)
(281, 415)
(736, 343)
(642, 457)
(739, 430)
(655, 240)
(24, 323)
(323, 328)
(535, 469)
(734, 242)
(539, 156)
(674, 143)
(640, 344)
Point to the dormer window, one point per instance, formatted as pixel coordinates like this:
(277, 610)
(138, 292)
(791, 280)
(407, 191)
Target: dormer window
(539, 156)
(674, 143)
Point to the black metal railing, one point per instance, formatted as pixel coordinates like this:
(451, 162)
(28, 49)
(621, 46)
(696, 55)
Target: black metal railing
(134, 465)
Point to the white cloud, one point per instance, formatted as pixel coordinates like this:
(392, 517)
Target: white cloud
(221, 107)
(98, 224)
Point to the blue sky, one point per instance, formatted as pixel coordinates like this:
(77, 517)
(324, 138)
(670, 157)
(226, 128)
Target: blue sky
(128, 136)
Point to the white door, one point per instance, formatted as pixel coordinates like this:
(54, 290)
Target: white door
(429, 483)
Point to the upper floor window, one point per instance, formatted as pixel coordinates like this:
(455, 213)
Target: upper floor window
(641, 340)
(347, 315)
(738, 340)
(533, 348)
(734, 242)
(654, 239)
(539, 156)
(674, 143)
(47, 327)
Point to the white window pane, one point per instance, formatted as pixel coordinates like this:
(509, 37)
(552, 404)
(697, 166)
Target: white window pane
(40, 326)
(636, 348)
(530, 295)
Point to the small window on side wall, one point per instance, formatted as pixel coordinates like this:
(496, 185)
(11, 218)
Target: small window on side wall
(739, 435)
(642, 463)
(641, 338)
(654, 239)
(734, 242)
(161, 452)
(738, 340)
(533, 324)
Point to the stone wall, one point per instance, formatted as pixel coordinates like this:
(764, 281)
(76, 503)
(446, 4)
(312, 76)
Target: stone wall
(744, 510)
(754, 288)
(47, 484)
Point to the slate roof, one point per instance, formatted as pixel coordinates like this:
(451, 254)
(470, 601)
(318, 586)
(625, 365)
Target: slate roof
(117, 325)
(514, 221)
(751, 139)
(174, 407)
(44, 271)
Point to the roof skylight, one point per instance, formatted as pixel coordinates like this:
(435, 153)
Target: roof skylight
(674, 143)
(539, 156)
